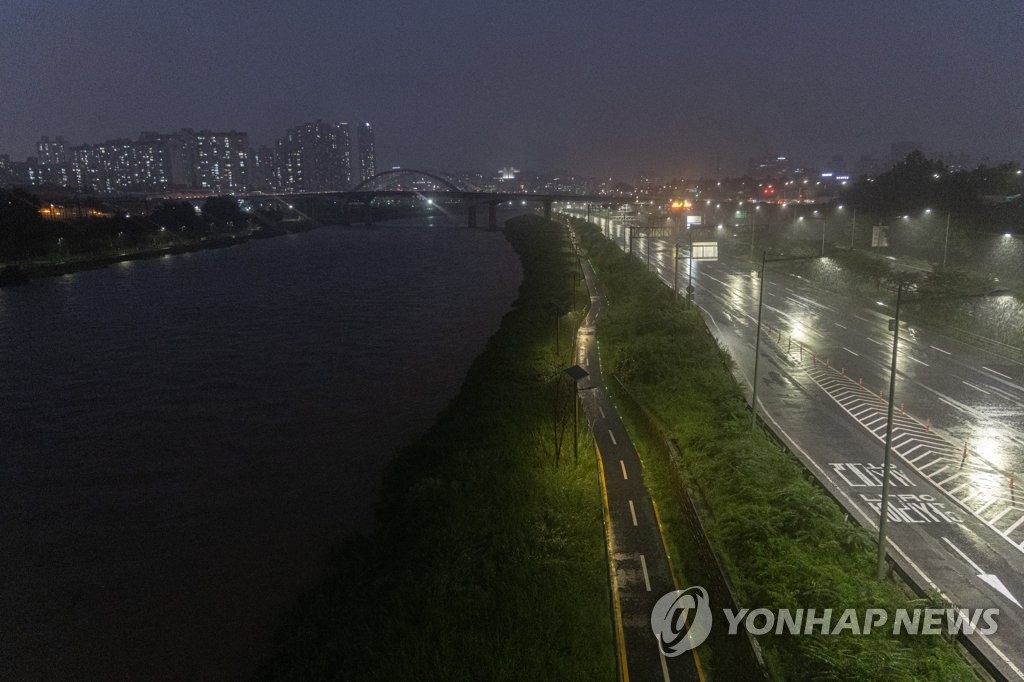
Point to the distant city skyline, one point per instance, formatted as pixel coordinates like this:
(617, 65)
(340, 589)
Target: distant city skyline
(661, 88)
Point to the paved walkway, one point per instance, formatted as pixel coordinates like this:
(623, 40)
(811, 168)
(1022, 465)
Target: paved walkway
(639, 562)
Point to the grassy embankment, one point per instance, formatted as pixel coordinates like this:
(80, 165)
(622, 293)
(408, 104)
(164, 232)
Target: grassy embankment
(784, 542)
(488, 561)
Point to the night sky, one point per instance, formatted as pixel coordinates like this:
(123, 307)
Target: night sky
(592, 87)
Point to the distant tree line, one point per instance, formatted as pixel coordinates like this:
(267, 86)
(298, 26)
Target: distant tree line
(918, 182)
(27, 234)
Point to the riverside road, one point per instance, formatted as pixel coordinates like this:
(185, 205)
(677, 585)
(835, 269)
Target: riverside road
(956, 522)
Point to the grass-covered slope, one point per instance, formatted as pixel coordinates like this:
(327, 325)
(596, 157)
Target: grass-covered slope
(488, 561)
(783, 541)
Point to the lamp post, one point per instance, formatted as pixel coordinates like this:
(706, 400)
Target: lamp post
(887, 457)
(577, 374)
(675, 270)
(894, 326)
(757, 341)
(945, 243)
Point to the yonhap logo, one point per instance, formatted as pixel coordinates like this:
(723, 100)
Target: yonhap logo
(681, 620)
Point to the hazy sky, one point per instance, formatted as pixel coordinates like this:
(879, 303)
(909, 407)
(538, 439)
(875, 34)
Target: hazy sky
(595, 87)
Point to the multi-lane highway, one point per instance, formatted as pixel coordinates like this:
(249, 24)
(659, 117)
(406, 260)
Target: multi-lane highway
(956, 521)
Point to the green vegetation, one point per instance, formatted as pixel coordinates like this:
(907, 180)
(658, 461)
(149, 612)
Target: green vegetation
(488, 561)
(783, 541)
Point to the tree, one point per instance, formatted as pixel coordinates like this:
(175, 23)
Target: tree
(224, 212)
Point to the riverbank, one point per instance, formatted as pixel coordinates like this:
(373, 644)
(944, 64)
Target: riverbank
(782, 541)
(56, 267)
(488, 558)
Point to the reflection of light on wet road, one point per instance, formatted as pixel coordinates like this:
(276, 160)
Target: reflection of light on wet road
(990, 442)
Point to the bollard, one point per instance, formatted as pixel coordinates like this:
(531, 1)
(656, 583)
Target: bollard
(860, 382)
(1011, 481)
(790, 346)
(843, 372)
(962, 459)
(880, 398)
(801, 353)
(927, 425)
(901, 409)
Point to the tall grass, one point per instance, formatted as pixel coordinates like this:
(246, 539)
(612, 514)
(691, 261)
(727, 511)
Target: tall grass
(488, 559)
(784, 542)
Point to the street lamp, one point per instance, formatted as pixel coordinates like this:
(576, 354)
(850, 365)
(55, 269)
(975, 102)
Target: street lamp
(894, 327)
(757, 342)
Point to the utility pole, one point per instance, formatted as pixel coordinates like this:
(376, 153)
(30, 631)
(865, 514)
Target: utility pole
(853, 227)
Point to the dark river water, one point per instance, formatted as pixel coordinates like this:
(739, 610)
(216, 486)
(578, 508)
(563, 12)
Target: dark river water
(182, 440)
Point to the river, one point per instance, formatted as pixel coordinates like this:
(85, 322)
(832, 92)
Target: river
(182, 440)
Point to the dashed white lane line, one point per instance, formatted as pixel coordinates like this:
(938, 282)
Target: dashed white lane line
(940, 350)
(647, 579)
(864, 319)
(841, 326)
(632, 511)
(876, 341)
(599, 409)
(976, 388)
(664, 664)
(625, 476)
(999, 373)
(612, 436)
(911, 357)
(850, 351)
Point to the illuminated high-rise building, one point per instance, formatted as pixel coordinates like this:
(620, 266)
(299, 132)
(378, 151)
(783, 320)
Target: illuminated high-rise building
(222, 161)
(314, 157)
(52, 158)
(367, 151)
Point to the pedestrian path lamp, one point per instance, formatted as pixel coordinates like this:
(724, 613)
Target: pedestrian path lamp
(577, 374)
(894, 327)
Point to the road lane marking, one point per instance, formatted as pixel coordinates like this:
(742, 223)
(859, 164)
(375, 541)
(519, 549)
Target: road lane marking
(976, 388)
(864, 319)
(850, 351)
(940, 350)
(966, 558)
(647, 579)
(599, 409)
(664, 665)
(841, 326)
(1015, 526)
(878, 342)
(625, 476)
(612, 436)
(632, 511)
(999, 373)
(1001, 514)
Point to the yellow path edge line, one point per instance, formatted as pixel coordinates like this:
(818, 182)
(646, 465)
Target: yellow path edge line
(620, 634)
(672, 570)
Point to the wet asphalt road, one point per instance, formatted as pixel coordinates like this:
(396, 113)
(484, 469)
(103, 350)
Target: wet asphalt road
(955, 523)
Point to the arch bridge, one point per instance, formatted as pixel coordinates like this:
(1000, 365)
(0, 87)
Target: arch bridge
(435, 187)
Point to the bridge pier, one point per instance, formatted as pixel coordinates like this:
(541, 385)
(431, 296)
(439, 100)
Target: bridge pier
(492, 215)
(547, 209)
(471, 216)
(356, 212)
